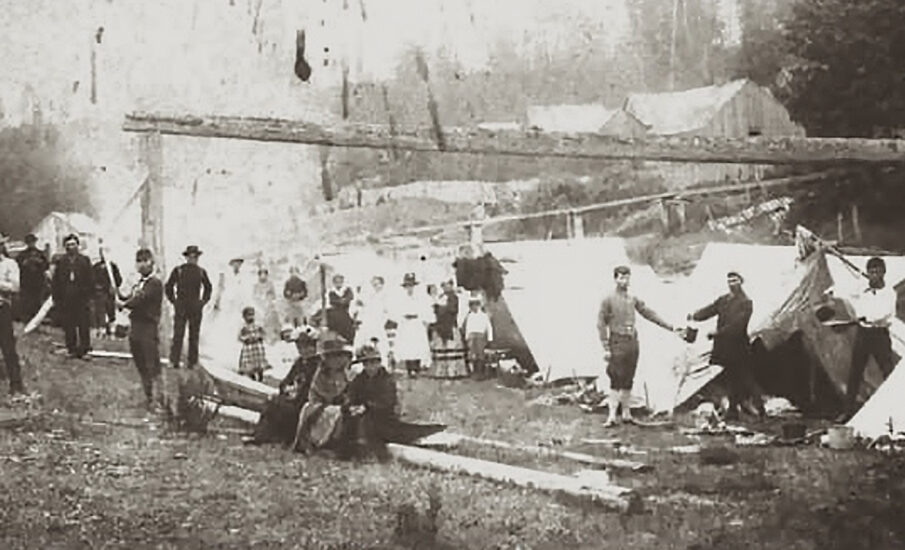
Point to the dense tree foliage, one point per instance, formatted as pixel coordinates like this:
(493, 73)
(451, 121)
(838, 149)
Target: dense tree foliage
(36, 178)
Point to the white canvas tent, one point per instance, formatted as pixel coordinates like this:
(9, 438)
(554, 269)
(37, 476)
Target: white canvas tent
(884, 412)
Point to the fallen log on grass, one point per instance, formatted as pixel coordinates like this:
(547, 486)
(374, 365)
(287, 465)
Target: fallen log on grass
(612, 496)
(614, 463)
(609, 495)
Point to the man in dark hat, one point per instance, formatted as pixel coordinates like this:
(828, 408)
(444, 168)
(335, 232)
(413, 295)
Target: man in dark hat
(731, 346)
(9, 285)
(144, 304)
(189, 290)
(72, 288)
(33, 266)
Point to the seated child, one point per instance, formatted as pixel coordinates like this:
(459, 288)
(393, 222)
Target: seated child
(253, 357)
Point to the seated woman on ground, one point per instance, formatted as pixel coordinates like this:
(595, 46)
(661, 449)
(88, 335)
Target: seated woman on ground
(280, 416)
(372, 410)
(320, 420)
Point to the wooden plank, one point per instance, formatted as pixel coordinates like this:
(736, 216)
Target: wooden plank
(581, 458)
(531, 143)
(613, 496)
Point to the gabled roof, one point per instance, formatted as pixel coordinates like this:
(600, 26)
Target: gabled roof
(77, 221)
(678, 112)
(569, 118)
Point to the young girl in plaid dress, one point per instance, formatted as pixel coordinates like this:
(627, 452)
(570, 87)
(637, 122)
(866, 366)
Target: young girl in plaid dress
(253, 357)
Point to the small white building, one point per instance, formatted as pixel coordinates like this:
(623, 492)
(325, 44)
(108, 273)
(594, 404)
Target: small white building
(57, 225)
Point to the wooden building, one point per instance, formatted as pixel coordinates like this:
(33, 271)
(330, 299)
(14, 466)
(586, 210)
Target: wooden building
(584, 118)
(735, 109)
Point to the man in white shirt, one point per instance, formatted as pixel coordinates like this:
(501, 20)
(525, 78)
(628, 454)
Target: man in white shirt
(875, 308)
(9, 285)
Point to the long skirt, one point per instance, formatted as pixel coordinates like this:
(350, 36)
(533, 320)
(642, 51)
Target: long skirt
(318, 425)
(448, 357)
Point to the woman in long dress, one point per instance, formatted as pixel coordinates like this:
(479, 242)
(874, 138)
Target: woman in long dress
(264, 297)
(320, 420)
(447, 349)
(372, 316)
(412, 313)
(233, 295)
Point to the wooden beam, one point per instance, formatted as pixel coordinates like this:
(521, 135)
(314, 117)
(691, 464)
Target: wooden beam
(582, 458)
(619, 203)
(532, 143)
(613, 496)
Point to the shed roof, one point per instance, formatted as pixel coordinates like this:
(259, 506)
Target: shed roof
(677, 112)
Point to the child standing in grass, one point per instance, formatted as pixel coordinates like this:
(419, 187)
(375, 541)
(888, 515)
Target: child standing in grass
(253, 357)
(478, 332)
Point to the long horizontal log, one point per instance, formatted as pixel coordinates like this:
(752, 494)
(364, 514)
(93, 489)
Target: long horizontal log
(531, 143)
(582, 458)
(619, 203)
(609, 495)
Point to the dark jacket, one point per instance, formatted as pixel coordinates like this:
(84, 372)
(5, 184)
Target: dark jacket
(377, 393)
(189, 286)
(73, 280)
(731, 344)
(146, 301)
(102, 280)
(33, 266)
(448, 316)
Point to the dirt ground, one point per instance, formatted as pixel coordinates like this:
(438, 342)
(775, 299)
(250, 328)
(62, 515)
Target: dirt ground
(85, 469)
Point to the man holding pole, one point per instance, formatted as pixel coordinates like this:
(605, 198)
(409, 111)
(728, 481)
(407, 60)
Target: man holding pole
(616, 326)
(144, 304)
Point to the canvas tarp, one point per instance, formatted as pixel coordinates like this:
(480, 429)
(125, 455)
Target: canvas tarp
(884, 412)
(553, 292)
(828, 351)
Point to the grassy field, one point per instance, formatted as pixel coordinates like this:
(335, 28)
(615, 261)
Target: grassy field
(73, 478)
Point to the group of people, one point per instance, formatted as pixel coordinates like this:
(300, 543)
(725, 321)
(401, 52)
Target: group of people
(417, 330)
(875, 308)
(325, 402)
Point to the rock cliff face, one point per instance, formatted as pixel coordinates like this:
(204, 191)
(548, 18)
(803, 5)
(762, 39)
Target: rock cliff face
(82, 64)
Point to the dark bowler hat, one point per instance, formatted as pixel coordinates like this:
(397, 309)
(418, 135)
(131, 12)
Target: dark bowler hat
(331, 343)
(192, 250)
(409, 280)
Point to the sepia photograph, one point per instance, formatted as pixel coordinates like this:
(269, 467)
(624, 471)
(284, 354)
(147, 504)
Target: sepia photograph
(452, 274)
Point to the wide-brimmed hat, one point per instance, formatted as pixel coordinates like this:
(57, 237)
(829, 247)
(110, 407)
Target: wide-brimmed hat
(365, 353)
(192, 250)
(409, 280)
(331, 343)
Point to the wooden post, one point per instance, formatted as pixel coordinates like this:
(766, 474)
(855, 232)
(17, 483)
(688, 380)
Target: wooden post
(856, 223)
(578, 221)
(152, 221)
(839, 233)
